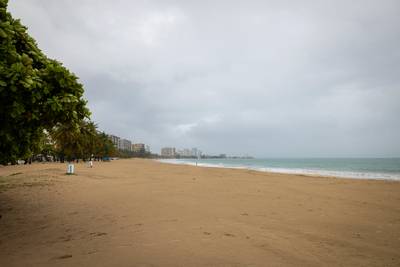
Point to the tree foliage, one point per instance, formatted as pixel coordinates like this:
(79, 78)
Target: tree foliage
(36, 92)
(80, 141)
(104, 146)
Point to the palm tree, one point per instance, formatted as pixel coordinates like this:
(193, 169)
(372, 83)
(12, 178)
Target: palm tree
(66, 138)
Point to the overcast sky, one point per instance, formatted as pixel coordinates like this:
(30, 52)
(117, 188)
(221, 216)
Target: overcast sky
(264, 78)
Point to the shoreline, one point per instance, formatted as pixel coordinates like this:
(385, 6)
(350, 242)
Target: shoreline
(298, 172)
(136, 212)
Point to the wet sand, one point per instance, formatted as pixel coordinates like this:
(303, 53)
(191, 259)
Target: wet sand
(145, 213)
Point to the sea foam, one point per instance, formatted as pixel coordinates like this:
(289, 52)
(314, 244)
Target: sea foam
(301, 171)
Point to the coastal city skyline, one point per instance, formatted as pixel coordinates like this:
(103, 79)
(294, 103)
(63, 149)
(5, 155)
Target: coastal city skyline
(127, 145)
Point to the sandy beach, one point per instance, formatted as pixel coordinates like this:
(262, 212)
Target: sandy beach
(145, 213)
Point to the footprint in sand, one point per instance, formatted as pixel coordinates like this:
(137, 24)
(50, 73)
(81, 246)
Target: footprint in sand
(228, 234)
(66, 256)
(66, 238)
(206, 233)
(98, 234)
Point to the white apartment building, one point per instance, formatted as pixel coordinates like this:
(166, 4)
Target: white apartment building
(168, 152)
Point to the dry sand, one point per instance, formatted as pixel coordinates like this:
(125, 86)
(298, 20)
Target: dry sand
(146, 213)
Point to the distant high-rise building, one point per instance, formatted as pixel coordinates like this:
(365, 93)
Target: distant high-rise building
(194, 152)
(186, 152)
(115, 140)
(125, 145)
(168, 152)
(138, 148)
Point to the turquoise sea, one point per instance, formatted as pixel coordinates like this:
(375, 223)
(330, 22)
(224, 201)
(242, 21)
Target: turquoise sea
(360, 168)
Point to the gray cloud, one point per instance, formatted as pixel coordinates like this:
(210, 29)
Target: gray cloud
(267, 78)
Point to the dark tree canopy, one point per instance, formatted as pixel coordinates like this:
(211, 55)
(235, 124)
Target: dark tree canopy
(80, 141)
(36, 92)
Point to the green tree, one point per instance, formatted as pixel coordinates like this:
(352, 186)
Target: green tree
(67, 141)
(87, 139)
(80, 141)
(45, 146)
(36, 93)
(104, 146)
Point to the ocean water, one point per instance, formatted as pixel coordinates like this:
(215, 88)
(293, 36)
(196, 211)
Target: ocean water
(358, 168)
